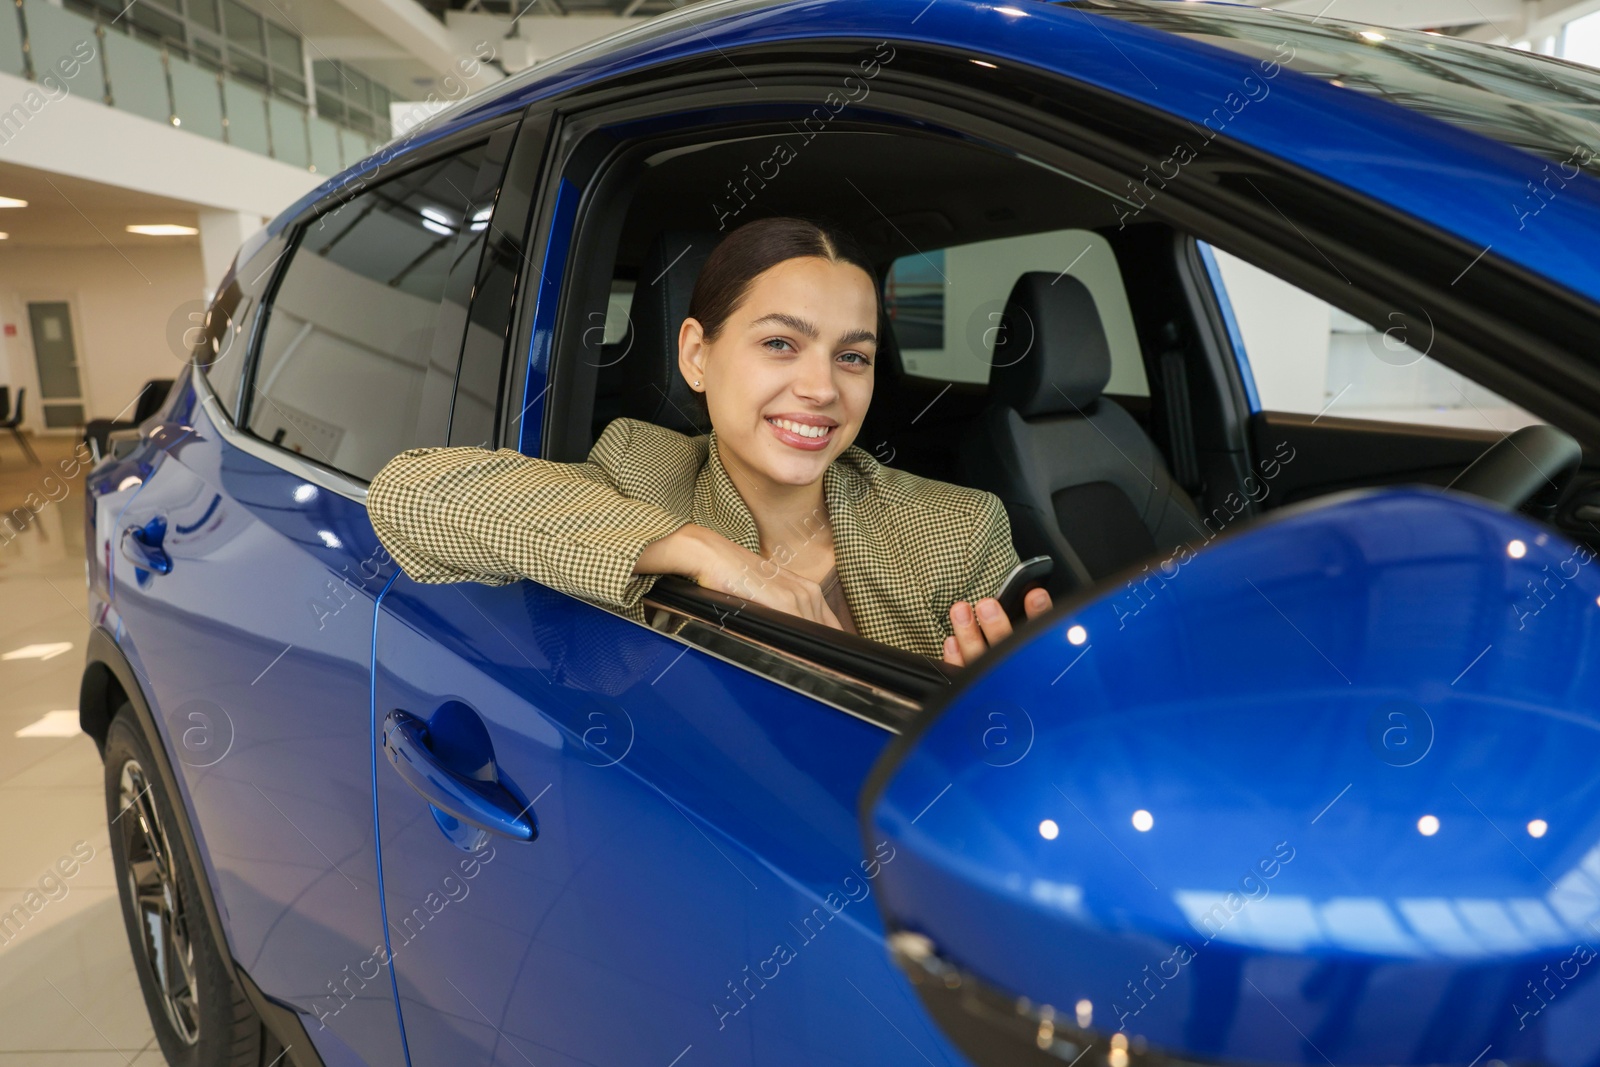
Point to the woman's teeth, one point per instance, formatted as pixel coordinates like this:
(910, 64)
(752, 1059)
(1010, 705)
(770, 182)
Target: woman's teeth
(803, 429)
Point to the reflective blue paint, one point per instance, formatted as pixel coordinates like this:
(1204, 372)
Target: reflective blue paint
(1288, 705)
(1241, 355)
(372, 719)
(264, 632)
(692, 818)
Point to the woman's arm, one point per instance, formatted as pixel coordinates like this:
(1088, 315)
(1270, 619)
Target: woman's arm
(715, 562)
(453, 514)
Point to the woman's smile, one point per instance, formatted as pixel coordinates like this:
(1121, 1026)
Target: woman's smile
(810, 433)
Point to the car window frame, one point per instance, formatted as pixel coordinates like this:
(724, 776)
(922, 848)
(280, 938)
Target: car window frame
(1095, 137)
(345, 188)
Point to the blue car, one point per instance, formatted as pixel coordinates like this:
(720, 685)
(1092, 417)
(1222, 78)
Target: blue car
(1302, 768)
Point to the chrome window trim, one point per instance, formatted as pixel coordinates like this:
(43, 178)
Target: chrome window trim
(888, 711)
(315, 473)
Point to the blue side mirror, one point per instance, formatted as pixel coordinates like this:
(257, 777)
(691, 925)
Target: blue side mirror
(1324, 791)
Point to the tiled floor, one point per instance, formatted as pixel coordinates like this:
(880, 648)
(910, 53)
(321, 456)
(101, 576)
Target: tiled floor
(68, 992)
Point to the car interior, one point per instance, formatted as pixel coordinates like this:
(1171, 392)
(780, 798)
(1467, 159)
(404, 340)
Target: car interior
(1126, 434)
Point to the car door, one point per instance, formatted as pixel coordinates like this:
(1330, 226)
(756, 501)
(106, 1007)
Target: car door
(602, 843)
(245, 571)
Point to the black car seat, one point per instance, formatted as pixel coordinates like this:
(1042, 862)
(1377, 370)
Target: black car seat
(638, 377)
(1080, 479)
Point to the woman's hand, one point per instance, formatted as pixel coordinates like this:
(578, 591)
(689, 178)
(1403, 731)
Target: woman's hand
(717, 563)
(974, 636)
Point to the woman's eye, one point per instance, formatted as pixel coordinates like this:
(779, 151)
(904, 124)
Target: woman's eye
(775, 341)
(857, 358)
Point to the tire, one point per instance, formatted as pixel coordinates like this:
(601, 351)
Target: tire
(200, 1015)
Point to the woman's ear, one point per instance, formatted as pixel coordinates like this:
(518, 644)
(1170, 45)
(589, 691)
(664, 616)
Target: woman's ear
(692, 353)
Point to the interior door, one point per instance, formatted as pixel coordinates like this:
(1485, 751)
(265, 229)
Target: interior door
(55, 355)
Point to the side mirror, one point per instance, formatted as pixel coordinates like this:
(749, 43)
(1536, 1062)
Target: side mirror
(1325, 791)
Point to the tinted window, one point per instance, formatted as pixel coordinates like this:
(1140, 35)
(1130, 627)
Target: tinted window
(358, 361)
(217, 337)
(946, 304)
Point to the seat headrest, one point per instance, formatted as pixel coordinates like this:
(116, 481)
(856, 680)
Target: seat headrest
(646, 381)
(1051, 355)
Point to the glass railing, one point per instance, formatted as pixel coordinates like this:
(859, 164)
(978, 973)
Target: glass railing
(64, 52)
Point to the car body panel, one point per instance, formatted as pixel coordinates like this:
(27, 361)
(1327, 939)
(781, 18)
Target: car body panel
(1326, 788)
(261, 690)
(695, 872)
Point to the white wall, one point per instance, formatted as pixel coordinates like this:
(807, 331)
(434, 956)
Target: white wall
(86, 139)
(121, 316)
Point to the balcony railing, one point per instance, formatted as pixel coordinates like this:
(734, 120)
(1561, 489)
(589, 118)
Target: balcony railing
(64, 52)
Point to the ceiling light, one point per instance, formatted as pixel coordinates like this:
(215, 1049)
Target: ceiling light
(4, 235)
(163, 229)
(11, 201)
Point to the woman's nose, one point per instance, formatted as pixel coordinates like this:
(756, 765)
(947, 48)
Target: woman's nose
(814, 380)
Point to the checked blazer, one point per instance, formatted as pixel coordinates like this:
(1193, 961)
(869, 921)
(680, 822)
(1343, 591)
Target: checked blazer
(906, 547)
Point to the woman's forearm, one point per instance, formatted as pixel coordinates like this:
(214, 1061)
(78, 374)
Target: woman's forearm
(683, 551)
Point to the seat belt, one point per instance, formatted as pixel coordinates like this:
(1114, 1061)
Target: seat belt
(1180, 421)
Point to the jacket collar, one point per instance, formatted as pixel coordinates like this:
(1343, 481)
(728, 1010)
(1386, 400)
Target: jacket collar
(873, 574)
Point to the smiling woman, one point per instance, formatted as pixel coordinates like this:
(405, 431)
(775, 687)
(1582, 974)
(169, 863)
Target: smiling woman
(776, 504)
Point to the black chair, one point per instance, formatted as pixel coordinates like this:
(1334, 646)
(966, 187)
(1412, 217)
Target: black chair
(5, 402)
(14, 424)
(98, 431)
(1080, 479)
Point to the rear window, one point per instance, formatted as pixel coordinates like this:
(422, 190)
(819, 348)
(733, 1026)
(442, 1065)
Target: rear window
(946, 304)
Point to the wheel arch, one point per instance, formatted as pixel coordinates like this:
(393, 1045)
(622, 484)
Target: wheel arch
(109, 681)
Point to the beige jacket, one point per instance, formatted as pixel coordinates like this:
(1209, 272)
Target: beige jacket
(906, 547)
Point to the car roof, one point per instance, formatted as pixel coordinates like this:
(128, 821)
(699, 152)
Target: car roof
(1458, 179)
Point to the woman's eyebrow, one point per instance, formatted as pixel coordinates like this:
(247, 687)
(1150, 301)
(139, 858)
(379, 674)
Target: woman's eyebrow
(796, 323)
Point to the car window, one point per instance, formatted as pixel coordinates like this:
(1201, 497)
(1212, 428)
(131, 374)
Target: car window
(1310, 358)
(946, 303)
(217, 336)
(352, 369)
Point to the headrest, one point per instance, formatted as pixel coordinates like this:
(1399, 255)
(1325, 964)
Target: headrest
(1051, 356)
(646, 381)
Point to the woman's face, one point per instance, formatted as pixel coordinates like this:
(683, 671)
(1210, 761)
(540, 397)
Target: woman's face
(788, 380)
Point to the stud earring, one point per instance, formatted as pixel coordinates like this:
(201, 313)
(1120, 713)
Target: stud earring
(697, 383)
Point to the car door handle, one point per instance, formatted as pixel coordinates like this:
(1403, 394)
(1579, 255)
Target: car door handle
(486, 805)
(142, 545)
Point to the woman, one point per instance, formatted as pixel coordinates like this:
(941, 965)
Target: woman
(775, 504)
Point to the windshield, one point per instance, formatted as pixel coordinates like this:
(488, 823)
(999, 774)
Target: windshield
(1545, 106)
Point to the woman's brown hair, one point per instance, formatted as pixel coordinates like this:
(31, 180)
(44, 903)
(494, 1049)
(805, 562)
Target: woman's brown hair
(757, 246)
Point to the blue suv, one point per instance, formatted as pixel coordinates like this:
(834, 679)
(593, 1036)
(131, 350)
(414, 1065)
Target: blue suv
(1303, 768)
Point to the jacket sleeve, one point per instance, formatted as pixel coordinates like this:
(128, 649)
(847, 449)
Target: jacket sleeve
(993, 555)
(462, 514)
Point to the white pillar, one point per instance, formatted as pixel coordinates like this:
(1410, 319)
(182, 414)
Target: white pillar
(221, 234)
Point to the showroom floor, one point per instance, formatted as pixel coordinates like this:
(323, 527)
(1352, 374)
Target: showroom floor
(68, 992)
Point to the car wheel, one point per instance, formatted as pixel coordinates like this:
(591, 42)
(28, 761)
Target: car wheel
(201, 1017)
